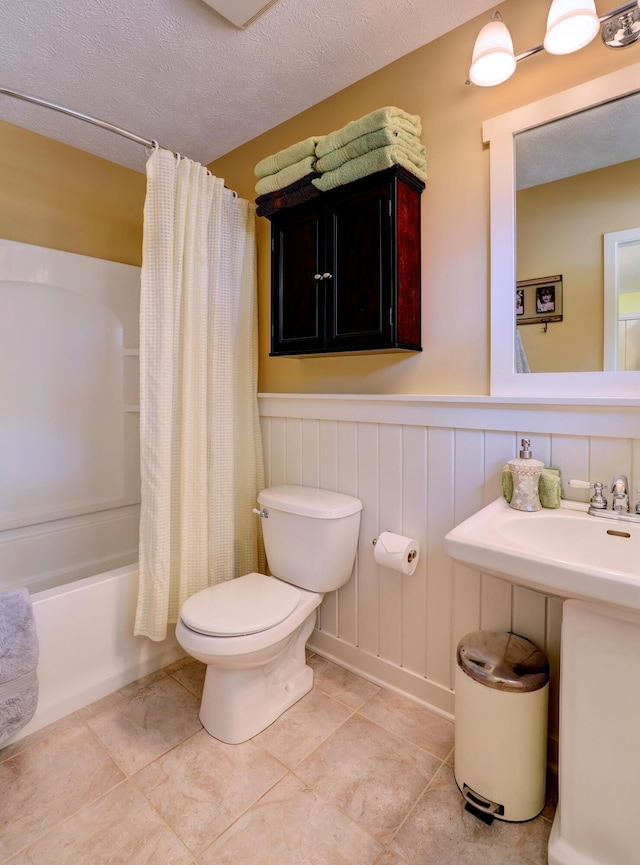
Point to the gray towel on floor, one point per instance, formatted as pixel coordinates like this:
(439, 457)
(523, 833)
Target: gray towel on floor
(18, 662)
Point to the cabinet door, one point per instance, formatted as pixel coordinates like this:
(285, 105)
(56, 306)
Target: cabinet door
(297, 297)
(359, 299)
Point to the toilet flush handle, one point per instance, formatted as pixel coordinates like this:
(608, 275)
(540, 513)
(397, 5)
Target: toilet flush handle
(263, 513)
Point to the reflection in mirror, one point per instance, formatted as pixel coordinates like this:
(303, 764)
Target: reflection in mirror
(622, 300)
(565, 173)
(577, 180)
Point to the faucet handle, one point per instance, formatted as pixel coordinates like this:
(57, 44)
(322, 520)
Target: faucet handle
(583, 485)
(597, 500)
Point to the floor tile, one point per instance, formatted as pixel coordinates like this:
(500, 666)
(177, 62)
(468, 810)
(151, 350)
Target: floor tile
(39, 736)
(401, 716)
(303, 727)
(370, 773)
(189, 673)
(140, 724)
(348, 769)
(50, 781)
(116, 697)
(440, 832)
(120, 828)
(390, 858)
(339, 683)
(202, 785)
(292, 825)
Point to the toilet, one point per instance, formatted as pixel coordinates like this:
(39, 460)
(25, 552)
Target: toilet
(251, 632)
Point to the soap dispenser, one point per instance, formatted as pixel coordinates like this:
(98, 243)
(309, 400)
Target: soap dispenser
(526, 474)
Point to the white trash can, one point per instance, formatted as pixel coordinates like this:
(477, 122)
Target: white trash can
(500, 759)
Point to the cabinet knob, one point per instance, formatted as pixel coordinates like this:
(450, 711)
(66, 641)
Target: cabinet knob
(327, 275)
(317, 276)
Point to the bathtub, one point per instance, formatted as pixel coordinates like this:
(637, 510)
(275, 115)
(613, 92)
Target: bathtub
(87, 647)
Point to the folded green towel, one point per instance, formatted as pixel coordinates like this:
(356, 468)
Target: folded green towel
(369, 123)
(289, 156)
(372, 141)
(549, 486)
(369, 163)
(286, 176)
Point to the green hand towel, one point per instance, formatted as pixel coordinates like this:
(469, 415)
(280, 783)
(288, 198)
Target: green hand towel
(369, 163)
(507, 483)
(286, 176)
(369, 123)
(289, 156)
(549, 486)
(371, 141)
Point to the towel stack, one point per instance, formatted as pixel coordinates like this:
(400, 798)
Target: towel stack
(379, 140)
(284, 178)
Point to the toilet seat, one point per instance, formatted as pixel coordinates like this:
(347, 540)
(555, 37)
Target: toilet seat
(246, 605)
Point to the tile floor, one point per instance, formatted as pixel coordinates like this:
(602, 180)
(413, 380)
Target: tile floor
(351, 774)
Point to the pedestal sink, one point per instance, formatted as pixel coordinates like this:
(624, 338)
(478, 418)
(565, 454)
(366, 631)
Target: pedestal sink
(595, 565)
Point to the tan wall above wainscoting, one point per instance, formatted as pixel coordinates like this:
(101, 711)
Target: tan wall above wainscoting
(57, 196)
(429, 82)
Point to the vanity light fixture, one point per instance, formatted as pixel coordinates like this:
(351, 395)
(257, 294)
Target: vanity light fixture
(571, 24)
(493, 58)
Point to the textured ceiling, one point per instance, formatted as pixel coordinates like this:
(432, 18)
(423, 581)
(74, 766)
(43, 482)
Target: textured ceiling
(604, 135)
(177, 72)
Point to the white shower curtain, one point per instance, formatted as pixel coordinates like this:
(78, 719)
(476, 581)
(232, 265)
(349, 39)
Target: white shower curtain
(201, 452)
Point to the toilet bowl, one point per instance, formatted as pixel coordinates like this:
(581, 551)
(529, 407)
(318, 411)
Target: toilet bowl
(252, 678)
(251, 632)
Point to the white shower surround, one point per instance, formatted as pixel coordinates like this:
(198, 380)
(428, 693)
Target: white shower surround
(69, 440)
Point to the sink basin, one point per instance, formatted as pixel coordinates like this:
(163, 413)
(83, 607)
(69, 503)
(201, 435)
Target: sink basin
(564, 552)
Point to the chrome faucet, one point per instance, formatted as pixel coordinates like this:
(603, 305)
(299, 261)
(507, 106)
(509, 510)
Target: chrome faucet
(620, 490)
(619, 509)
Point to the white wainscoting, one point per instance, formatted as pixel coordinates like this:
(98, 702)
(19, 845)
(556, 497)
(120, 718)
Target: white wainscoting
(421, 465)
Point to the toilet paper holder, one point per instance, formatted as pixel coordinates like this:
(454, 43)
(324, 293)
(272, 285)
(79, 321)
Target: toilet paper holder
(410, 555)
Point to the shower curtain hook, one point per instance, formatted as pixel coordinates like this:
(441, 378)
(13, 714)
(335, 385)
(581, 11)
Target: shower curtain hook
(153, 148)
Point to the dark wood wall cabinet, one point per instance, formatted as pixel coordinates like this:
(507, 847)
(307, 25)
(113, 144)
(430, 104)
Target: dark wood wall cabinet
(345, 269)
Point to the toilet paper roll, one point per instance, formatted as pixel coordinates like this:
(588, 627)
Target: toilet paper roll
(397, 552)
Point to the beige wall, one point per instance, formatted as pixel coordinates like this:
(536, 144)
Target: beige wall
(455, 204)
(560, 229)
(56, 196)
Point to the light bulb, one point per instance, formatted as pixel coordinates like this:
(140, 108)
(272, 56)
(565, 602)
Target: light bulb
(493, 60)
(571, 25)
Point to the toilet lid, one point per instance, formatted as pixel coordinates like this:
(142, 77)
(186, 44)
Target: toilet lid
(245, 605)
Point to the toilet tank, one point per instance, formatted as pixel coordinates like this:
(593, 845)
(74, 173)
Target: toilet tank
(310, 535)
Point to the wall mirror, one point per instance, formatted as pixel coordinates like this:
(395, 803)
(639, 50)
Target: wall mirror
(565, 185)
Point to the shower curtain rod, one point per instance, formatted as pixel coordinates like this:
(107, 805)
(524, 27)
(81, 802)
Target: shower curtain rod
(86, 117)
(150, 145)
